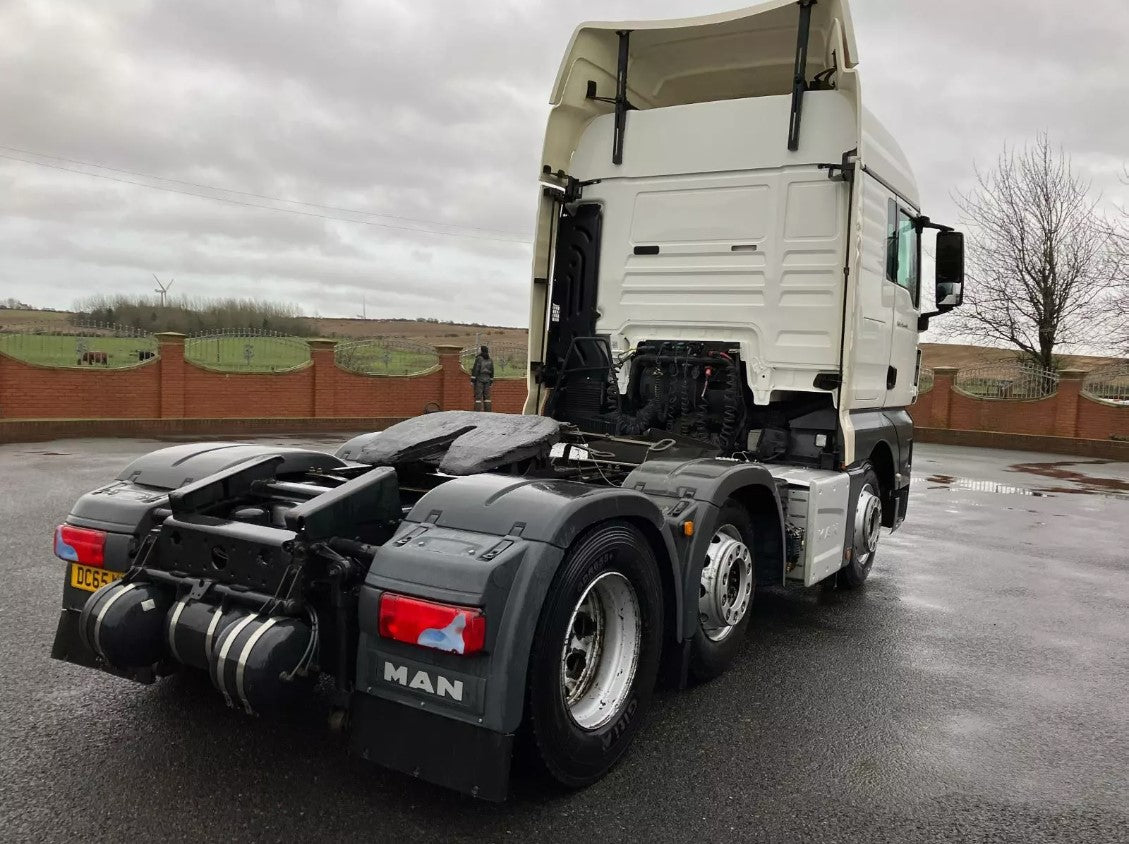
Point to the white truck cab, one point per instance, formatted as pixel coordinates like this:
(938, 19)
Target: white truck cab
(715, 185)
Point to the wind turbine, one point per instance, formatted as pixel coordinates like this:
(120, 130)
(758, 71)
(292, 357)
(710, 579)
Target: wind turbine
(163, 289)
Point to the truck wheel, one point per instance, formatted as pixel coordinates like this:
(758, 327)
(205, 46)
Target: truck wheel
(595, 654)
(728, 584)
(867, 528)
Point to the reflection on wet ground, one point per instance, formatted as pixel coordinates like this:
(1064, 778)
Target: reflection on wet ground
(1088, 483)
(1071, 480)
(950, 482)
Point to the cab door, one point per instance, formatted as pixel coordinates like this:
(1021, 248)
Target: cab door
(903, 275)
(872, 331)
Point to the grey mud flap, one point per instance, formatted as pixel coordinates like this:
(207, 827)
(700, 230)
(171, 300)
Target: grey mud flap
(461, 756)
(69, 647)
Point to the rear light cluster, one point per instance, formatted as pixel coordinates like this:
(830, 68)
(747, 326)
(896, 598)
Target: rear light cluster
(460, 630)
(80, 545)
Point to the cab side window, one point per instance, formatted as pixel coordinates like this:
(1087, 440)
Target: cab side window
(902, 251)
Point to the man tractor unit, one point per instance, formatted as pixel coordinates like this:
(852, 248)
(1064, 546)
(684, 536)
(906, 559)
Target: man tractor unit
(725, 307)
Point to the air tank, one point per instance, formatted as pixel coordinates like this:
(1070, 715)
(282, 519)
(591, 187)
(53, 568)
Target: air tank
(193, 628)
(123, 622)
(256, 661)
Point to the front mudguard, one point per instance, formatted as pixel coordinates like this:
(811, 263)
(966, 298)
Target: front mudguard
(695, 492)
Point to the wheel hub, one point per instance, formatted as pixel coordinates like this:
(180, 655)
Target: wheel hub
(868, 523)
(727, 584)
(601, 651)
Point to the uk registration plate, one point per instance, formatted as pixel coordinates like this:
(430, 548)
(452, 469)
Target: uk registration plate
(91, 578)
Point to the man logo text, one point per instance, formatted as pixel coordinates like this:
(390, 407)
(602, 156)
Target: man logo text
(421, 681)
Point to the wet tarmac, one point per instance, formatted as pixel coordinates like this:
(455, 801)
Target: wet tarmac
(977, 689)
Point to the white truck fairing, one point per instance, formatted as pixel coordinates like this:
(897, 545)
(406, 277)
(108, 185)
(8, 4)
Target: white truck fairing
(746, 255)
(753, 237)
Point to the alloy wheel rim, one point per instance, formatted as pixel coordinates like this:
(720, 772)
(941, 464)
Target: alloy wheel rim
(727, 584)
(601, 651)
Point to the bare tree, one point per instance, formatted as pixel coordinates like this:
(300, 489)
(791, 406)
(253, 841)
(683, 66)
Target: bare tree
(1041, 259)
(1119, 299)
(1119, 305)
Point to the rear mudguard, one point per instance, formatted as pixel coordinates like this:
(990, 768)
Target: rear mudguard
(496, 542)
(125, 505)
(172, 468)
(490, 541)
(125, 509)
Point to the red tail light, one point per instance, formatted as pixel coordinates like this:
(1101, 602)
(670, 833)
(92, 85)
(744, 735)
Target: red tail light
(446, 628)
(80, 545)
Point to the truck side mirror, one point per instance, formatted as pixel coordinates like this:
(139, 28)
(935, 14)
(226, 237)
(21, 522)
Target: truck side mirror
(950, 270)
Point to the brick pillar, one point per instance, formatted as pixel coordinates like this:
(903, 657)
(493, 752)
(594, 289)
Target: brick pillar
(171, 346)
(942, 395)
(1066, 402)
(322, 353)
(456, 392)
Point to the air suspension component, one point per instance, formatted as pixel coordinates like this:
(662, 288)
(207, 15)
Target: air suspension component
(259, 661)
(193, 628)
(122, 623)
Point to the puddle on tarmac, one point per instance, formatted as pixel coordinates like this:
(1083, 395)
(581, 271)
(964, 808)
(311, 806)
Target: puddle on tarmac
(1086, 484)
(951, 482)
(50, 453)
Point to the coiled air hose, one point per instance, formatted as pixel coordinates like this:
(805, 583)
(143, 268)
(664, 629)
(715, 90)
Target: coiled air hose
(728, 436)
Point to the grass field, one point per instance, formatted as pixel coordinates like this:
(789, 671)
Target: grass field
(55, 350)
(12, 319)
(247, 354)
(425, 333)
(230, 354)
(227, 354)
(376, 358)
(964, 356)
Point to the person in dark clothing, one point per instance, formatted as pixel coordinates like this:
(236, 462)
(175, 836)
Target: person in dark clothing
(482, 377)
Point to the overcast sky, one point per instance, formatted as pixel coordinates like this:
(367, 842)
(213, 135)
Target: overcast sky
(431, 114)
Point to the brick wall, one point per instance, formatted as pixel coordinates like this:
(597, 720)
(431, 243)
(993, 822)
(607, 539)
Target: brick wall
(1068, 413)
(40, 392)
(509, 396)
(170, 387)
(223, 395)
(320, 394)
(1098, 421)
(362, 395)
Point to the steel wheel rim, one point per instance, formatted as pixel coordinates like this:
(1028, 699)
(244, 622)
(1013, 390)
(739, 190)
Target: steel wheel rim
(601, 651)
(727, 584)
(868, 524)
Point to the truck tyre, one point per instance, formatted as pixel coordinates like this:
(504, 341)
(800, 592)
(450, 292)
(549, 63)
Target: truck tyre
(726, 594)
(866, 527)
(595, 654)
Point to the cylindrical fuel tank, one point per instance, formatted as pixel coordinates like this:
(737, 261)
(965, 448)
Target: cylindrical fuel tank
(122, 622)
(253, 657)
(193, 628)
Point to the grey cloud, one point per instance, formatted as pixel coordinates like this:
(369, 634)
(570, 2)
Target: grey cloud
(434, 111)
